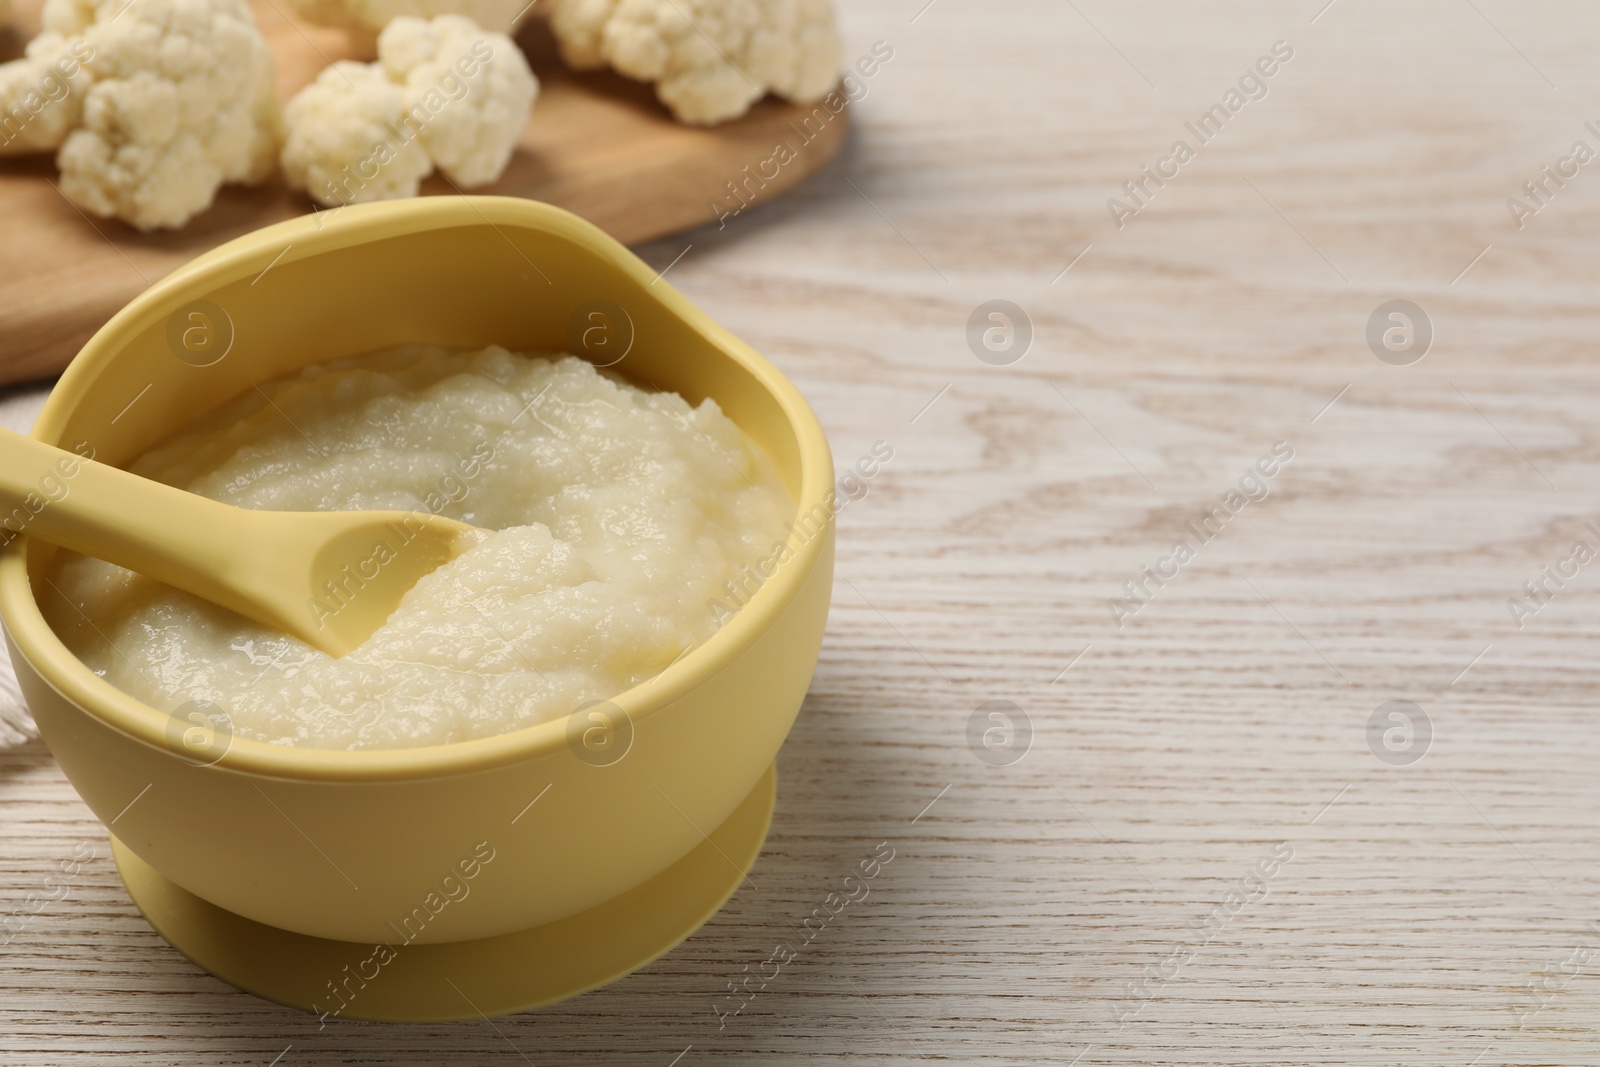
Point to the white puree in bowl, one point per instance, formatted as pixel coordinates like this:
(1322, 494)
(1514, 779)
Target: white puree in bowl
(620, 513)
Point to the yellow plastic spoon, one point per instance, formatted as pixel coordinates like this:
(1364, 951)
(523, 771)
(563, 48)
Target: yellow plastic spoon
(329, 578)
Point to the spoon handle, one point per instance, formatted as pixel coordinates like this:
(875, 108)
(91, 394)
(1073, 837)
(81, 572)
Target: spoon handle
(160, 531)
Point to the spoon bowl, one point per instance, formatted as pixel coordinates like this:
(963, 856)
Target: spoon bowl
(329, 578)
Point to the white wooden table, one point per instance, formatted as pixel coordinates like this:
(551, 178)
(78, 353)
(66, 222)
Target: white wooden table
(1075, 906)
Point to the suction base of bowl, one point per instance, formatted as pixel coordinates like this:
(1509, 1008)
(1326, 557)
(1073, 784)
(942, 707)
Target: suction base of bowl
(465, 979)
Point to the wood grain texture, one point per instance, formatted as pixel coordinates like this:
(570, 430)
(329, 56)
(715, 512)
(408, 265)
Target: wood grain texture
(1228, 719)
(597, 144)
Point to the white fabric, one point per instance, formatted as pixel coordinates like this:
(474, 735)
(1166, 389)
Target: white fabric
(18, 409)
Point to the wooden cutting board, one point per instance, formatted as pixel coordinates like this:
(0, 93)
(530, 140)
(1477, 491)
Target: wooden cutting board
(598, 144)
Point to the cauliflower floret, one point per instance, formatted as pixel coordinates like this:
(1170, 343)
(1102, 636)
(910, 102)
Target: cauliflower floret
(343, 142)
(69, 18)
(474, 139)
(363, 19)
(170, 99)
(41, 95)
(710, 59)
(444, 92)
(580, 28)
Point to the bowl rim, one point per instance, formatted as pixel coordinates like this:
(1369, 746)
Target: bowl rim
(323, 232)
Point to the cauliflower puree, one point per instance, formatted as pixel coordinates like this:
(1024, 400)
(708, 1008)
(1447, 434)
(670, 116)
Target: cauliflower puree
(621, 515)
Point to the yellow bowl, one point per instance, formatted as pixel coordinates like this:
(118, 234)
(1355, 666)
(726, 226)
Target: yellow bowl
(374, 845)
